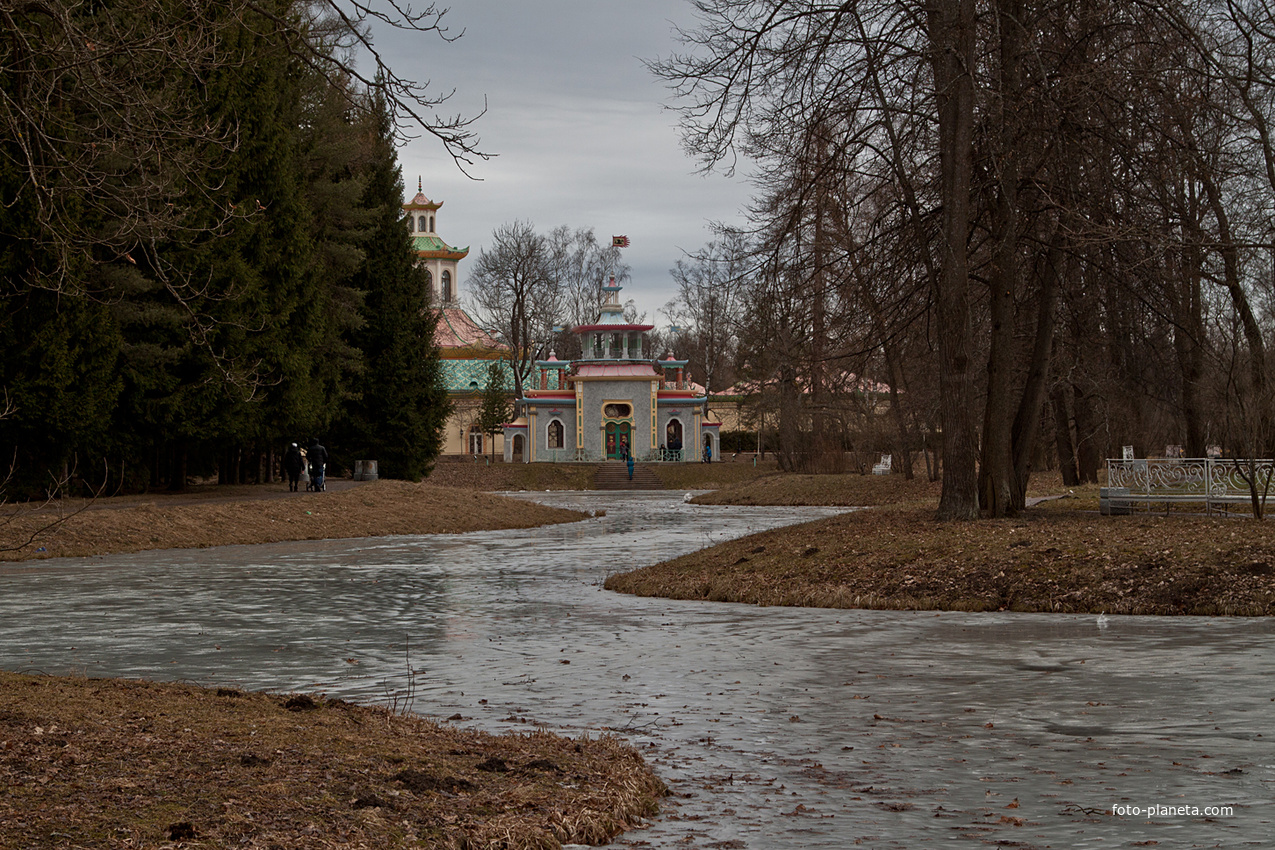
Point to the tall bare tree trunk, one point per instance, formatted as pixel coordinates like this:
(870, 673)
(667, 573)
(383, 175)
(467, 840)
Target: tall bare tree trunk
(904, 452)
(1023, 436)
(1188, 345)
(950, 25)
(996, 472)
(1062, 437)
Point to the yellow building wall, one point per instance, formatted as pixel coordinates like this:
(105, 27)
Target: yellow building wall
(456, 434)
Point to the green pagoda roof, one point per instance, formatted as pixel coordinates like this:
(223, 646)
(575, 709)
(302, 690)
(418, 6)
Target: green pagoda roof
(435, 244)
(470, 376)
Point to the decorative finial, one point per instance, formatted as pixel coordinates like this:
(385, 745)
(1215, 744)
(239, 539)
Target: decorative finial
(418, 184)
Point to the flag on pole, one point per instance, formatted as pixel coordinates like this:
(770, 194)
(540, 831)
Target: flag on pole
(619, 241)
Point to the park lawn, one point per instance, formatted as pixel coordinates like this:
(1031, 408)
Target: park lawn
(121, 763)
(259, 514)
(1059, 556)
(486, 474)
(714, 476)
(851, 489)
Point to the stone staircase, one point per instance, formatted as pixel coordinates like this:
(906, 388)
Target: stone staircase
(614, 475)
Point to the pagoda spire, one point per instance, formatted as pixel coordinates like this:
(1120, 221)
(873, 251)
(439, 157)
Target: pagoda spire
(419, 184)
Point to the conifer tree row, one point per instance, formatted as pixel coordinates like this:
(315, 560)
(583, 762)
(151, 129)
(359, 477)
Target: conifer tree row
(223, 292)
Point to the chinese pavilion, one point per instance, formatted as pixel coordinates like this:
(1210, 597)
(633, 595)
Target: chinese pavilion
(614, 400)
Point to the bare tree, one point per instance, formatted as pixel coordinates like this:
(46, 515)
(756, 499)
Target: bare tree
(706, 307)
(515, 293)
(581, 265)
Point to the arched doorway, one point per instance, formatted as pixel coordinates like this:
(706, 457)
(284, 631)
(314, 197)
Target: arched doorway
(619, 440)
(710, 451)
(475, 439)
(518, 448)
(673, 435)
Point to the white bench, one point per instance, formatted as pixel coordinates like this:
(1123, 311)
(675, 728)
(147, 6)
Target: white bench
(882, 468)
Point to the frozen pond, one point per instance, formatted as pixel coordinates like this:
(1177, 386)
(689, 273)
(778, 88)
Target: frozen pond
(775, 728)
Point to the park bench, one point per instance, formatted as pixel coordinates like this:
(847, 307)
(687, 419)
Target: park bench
(1215, 483)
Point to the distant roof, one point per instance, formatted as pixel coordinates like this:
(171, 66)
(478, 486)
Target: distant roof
(470, 376)
(457, 330)
(595, 369)
(420, 202)
(609, 328)
(432, 246)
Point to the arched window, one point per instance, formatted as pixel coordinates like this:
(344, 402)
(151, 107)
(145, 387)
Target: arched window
(447, 287)
(429, 282)
(475, 439)
(431, 224)
(422, 225)
(555, 434)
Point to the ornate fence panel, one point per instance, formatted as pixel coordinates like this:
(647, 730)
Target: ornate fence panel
(1210, 481)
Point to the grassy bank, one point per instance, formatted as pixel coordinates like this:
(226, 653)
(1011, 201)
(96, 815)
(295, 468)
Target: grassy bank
(264, 514)
(114, 763)
(484, 474)
(498, 475)
(1060, 556)
(775, 488)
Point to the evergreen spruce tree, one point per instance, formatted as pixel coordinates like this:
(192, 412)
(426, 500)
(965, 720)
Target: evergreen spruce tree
(398, 417)
(214, 386)
(58, 352)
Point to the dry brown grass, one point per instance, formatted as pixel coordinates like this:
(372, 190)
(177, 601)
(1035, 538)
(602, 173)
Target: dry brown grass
(1060, 556)
(712, 476)
(513, 476)
(579, 476)
(374, 509)
(93, 763)
(852, 489)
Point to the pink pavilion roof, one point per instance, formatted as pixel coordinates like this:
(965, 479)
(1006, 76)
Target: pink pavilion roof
(615, 370)
(457, 330)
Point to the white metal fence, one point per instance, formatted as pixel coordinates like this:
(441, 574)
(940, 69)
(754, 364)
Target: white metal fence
(1214, 482)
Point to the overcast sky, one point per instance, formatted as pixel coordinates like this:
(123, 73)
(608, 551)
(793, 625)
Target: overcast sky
(579, 127)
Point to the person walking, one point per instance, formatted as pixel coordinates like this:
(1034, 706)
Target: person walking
(318, 457)
(629, 460)
(293, 463)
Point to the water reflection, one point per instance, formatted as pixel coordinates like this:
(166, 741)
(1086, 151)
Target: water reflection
(775, 727)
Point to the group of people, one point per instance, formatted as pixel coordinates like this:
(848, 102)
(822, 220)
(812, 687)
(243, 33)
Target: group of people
(309, 463)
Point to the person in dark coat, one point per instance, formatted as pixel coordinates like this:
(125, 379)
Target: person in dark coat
(293, 463)
(318, 460)
(629, 461)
